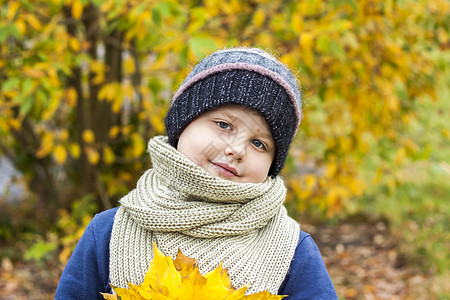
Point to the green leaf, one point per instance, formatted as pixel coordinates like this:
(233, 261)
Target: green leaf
(140, 8)
(337, 3)
(14, 31)
(155, 85)
(27, 85)
(97, 2)
(401, 91)
(202, 45)
(323, 44)
(112, 25)
(42, 97)
(337, 51)
(163, 8)
(26, 106)
(156, 16)
(10, 84)
(4, 33)
(40, 250)
(183, 56)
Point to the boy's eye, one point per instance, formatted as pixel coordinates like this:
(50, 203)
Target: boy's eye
(258, 144)
(223, 125)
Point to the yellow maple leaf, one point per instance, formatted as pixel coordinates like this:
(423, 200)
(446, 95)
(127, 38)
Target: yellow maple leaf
(180, 279)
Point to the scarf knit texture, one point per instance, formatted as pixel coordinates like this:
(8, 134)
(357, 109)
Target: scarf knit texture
(178, 205)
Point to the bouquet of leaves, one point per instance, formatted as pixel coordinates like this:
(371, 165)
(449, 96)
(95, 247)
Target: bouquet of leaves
(180, 279)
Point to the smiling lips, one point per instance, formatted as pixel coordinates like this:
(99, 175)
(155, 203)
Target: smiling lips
(225, 169)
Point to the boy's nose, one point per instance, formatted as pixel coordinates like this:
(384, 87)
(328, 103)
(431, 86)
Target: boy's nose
(237, 150)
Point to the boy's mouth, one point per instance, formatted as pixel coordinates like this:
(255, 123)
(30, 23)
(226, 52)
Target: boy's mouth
(225, 169)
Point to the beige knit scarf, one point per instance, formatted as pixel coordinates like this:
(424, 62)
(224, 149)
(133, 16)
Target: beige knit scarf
(180, 206)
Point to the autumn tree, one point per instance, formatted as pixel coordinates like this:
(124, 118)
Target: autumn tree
(84, 84)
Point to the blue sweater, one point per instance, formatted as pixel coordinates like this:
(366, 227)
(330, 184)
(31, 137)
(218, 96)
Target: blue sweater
(87, 272)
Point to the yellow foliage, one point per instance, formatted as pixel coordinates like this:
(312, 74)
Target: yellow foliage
(64, 135)
(446, 133)
(355, 185)
(114, 132)
(64, 255)
(410, 145)
(13, 6)
(71, 97)
(331, 169)
(108, 92)
(126, 176)
(15, 123)
(138, 145)
(117, 104)
(77, 9)
(306, 44)
(108, 155)
(181, 280)
(46, 145)
(362, 65)
(92, 155)
(33, 21)
(75, 150)
(88, 136)
(258, 18)
(126, 130)
(51, 109)
(74, 44)
(129, 66)
(53, 78)
(157, 122)
(127, 90)
(297, 22)
(21, 26)
(60, 154)
(98, 69)
(33, 73)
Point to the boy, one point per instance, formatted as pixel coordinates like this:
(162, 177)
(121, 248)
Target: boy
(214, 190)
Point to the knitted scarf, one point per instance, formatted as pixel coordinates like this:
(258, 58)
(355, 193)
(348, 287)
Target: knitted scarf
(180, 206)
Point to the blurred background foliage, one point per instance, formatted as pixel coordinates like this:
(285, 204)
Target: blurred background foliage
(85, 84)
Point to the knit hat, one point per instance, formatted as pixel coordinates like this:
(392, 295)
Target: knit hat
(246, 76)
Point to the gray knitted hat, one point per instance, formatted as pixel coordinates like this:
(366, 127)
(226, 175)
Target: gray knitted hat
(246, 76)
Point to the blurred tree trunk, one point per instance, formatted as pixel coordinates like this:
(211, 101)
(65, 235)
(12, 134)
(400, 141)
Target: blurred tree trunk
(82, 123)
(92, 114)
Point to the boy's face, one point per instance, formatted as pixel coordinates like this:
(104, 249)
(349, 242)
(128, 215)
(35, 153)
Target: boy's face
(232, 142)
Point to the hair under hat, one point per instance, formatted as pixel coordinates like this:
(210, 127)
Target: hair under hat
(246, 76)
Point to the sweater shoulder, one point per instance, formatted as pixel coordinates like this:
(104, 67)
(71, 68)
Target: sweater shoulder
(303, 236)
(105, 217)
